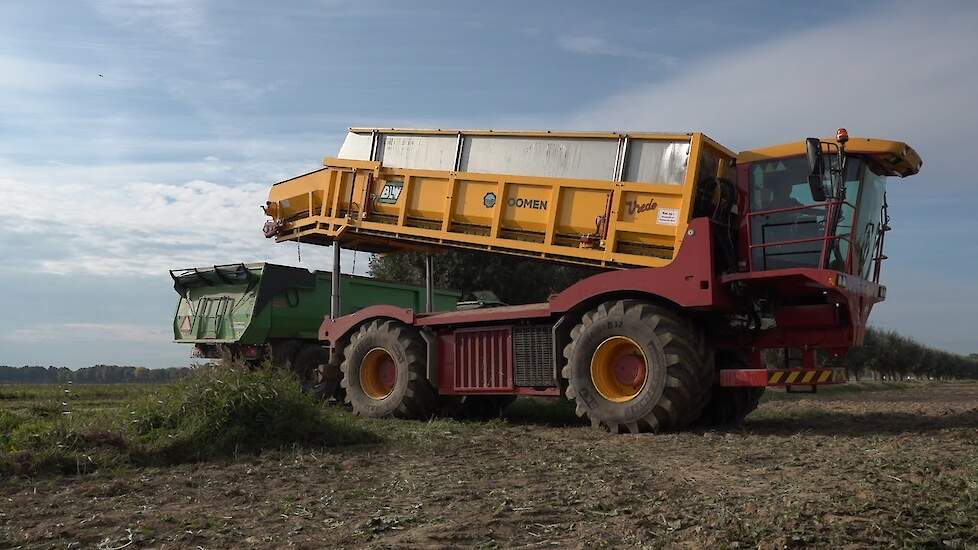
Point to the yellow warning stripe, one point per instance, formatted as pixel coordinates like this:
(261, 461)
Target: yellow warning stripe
(809, 376)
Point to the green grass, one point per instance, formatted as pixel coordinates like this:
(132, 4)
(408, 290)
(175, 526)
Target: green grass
(215, 413)
(220, 412)
(78, 392)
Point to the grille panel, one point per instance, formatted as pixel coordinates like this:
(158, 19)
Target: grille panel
(532, 356)
(483, 360)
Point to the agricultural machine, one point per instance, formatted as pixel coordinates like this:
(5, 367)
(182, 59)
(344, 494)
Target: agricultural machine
(712, 262)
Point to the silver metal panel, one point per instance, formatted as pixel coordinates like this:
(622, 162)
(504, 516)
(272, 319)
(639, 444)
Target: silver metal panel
(644, 160)
(356, 146)
(584, 158)
(417, 151)
(651, 161)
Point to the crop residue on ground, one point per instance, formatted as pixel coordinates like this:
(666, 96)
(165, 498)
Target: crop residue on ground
(864, 468)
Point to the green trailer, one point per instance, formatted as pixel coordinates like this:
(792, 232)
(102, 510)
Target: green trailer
(257, 312)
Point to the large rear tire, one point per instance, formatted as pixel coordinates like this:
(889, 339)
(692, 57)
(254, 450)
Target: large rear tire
(384, 372)
(730, 406)
(635, 366)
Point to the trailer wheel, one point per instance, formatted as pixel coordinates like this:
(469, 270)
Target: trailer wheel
(635, 366)
(384, 372)
(730, 406)
(316, 375)
(284, 353)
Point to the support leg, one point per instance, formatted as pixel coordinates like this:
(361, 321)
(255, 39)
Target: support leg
(429, 284)
(334, 306)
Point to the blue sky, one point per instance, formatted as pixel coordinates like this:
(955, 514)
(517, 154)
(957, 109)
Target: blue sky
(108, 181)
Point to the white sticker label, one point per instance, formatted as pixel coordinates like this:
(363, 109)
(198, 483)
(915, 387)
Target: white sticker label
(668, 216)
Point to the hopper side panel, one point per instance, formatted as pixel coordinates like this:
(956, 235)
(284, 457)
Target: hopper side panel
(657, 161)
(417, 151)
(577, 158)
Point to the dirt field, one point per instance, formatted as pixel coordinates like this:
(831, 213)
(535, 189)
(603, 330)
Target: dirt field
(853, 468)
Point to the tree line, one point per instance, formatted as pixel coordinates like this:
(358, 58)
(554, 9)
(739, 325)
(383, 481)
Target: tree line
(513, 280)
(98, 374)
(884, 355)
(891, 356)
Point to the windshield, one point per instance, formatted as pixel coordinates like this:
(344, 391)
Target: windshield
(788, 227)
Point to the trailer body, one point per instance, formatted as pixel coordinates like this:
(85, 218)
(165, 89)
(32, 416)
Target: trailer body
(244, 309)
(711, 259)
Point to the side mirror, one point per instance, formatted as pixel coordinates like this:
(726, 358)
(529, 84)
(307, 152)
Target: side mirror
(816, 168)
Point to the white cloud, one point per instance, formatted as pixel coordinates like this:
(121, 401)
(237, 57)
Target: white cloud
(141, 228)
(59, 332)
(593, 45)
(185, 19)
(25, 74)
(909, 73)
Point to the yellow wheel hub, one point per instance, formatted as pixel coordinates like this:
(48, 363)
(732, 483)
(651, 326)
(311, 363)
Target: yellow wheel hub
(378, 374)
(619, 369)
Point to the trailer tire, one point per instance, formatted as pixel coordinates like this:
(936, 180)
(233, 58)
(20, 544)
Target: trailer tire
(284, 353)
(384, 372)
(315, 373)
(334, 367)
(636, 366)
(730, 406)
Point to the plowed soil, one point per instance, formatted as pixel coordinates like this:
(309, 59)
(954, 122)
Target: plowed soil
(851, 469)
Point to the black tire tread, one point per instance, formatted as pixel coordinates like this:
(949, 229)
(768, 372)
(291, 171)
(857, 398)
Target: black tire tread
(419, 399)
(687, 368)
(730, 406)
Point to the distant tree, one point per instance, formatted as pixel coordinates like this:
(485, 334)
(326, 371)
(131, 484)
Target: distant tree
(889, 355)
(514, 280)
(101, 374)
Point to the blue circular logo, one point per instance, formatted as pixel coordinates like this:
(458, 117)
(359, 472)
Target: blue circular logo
(489, 200)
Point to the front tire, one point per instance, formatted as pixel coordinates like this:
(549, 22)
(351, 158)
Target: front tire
(384, 372)
(635, 366)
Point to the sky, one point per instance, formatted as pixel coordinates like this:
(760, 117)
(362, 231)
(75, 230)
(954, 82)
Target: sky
(138, 136)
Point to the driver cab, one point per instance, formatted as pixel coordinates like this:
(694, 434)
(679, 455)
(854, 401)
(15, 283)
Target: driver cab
(806, 213)
(786, 220)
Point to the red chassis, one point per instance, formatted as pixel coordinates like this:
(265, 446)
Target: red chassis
(518, 349)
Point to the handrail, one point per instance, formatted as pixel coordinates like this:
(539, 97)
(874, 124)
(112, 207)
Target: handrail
(831, 211)
(800, 207)
(802, 241)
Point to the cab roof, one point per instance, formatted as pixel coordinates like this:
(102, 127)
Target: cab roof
(894, 158)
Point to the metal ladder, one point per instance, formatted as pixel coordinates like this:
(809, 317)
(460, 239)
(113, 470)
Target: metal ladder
(211, 313)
